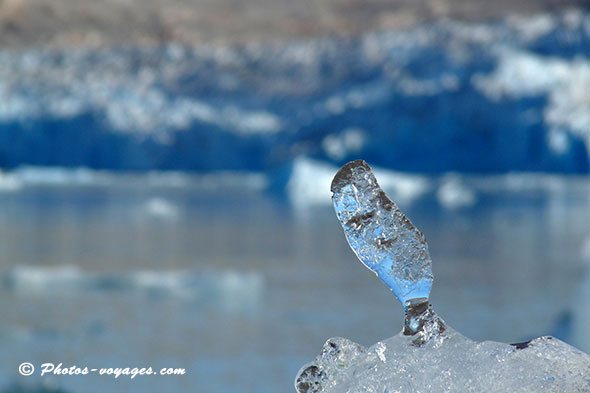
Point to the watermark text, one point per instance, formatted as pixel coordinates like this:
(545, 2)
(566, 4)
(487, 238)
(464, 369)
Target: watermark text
(27, 369)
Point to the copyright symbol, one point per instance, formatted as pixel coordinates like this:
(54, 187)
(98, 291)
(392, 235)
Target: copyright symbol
(26, 369)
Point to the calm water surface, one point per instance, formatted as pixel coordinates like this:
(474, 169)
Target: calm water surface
(242, 288)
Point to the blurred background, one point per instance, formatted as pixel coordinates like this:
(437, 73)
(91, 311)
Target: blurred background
(165, 171)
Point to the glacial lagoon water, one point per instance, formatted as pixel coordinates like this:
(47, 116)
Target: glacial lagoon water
(241, 286)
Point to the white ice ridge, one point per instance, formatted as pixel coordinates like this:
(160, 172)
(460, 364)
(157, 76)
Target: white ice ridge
(382, 237)
(449, 363)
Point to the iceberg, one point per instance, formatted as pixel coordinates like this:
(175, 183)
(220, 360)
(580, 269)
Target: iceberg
(427, 355)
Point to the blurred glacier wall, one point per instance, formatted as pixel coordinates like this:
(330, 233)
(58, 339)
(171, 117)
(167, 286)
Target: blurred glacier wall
(490, 97)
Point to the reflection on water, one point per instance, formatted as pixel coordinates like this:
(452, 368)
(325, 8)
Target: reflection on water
(242, 288)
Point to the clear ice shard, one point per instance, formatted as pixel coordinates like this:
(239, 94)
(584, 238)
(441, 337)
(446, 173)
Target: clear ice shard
(382, 237)
(427, 355)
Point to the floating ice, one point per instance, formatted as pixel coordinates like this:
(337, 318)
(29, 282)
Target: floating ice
(222, 290)
(161, 208)
(454, 194)
(427, 355)
(9, 182)
(216, 181)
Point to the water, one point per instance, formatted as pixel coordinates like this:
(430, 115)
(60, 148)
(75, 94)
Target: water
(241, 287)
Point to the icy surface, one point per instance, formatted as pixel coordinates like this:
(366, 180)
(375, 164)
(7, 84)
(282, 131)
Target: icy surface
(450, 363)
(380, 234)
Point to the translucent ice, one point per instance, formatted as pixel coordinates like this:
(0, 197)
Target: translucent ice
(380, 234)
(427, 355)
(450, 363)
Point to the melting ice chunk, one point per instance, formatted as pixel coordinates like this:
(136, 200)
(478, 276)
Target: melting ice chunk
(452, 363)
(427, 356)
(382, 237)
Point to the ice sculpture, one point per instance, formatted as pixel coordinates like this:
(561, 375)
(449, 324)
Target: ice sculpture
(427, 355)
(385, 241)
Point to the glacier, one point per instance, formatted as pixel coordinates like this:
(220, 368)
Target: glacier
(450, 96)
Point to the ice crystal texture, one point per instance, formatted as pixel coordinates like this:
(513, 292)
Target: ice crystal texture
(427, 355)
(449, 363)
(382, 237)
